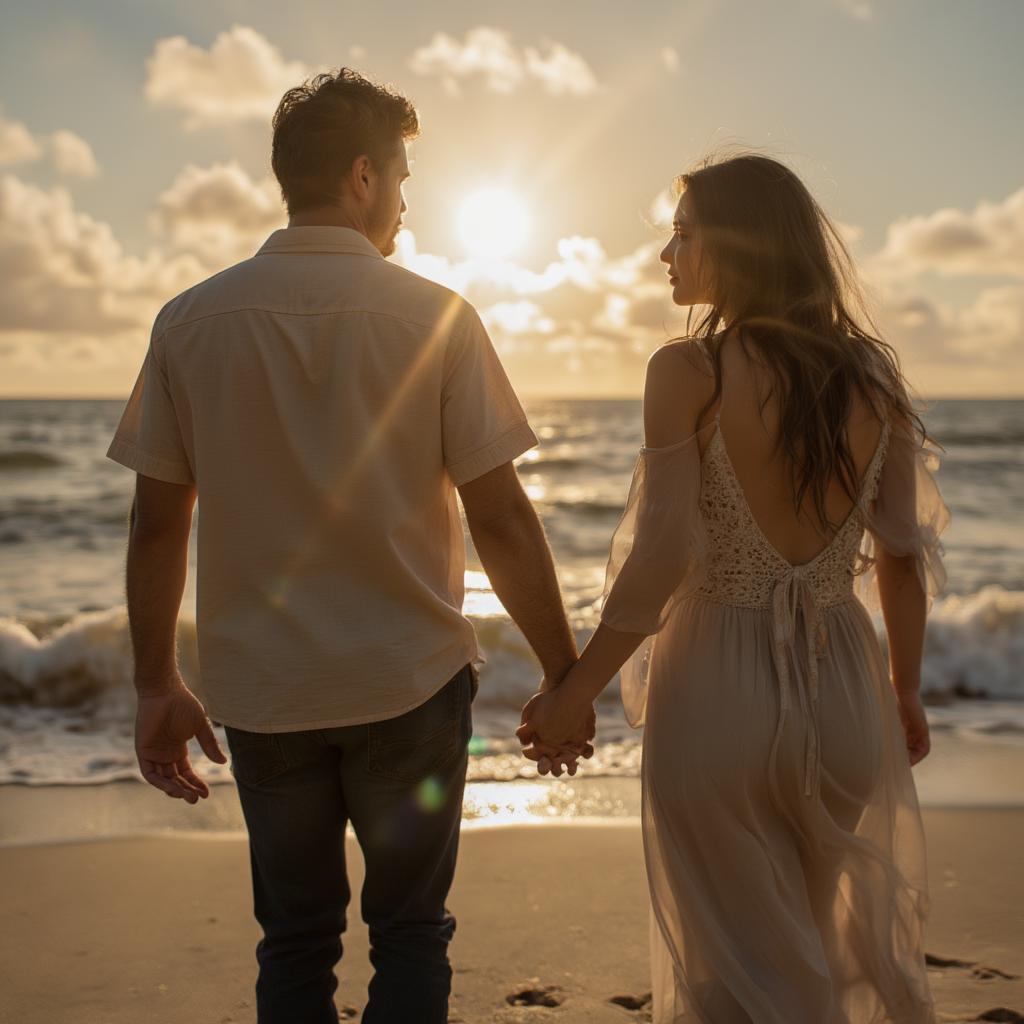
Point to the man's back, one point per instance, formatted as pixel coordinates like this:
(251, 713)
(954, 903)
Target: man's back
(325, 403)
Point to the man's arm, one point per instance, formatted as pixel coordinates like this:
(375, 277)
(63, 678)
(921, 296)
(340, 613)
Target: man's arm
(168, 714)
(158, 530)
(514, 551)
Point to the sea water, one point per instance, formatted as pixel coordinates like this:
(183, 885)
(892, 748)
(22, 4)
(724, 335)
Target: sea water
(66, 700)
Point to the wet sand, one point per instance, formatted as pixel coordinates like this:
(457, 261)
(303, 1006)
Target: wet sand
(160, 929)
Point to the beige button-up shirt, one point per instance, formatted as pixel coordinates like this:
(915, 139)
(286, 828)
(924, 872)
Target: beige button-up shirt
(325, 404)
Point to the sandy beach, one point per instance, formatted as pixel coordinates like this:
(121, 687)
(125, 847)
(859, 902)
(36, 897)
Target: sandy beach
(160, 928)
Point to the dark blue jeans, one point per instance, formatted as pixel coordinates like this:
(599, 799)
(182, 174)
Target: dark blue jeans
(400, 782)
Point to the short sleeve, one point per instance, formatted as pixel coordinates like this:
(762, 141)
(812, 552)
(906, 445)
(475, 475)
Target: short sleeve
(482, 422)
(658, 556)
(907, 516)
(148, 438)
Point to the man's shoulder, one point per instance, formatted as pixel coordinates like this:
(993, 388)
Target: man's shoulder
(207, 297)
(409, 296)
(383, 289)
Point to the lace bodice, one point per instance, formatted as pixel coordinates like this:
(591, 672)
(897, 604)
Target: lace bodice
(743, 567)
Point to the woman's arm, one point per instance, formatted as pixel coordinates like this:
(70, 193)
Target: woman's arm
(675, 390)
(904, 609)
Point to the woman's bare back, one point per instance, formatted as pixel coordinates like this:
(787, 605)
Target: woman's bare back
(751, 433)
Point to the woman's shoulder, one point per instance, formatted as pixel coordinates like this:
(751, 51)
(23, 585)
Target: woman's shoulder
(680, 382)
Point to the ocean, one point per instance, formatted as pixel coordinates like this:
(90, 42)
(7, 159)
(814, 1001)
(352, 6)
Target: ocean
(66, 701)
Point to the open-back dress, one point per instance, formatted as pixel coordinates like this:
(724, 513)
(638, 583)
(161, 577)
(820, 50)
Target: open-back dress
(783, 839)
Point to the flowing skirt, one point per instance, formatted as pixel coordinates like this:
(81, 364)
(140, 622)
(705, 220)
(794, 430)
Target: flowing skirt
(770, 906)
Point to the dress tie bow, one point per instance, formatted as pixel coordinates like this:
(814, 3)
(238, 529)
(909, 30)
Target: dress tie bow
(791, 596)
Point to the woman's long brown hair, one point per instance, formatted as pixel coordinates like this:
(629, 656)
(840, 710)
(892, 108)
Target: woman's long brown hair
(778, 268)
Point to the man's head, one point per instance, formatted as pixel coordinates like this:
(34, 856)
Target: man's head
(339, 146)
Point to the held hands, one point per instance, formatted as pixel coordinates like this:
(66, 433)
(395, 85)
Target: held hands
(556, 730)
(168, 716)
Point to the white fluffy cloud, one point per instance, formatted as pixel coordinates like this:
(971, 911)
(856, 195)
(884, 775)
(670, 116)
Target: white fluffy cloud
(987, 240)
(17, 144)
(219, 213)
(241, 77)
(489, 53)
(64, 273)
(73, 156)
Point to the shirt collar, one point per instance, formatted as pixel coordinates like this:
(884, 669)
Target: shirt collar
(321, 238)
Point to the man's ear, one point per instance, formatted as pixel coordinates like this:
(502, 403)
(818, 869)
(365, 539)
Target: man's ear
(362, 177)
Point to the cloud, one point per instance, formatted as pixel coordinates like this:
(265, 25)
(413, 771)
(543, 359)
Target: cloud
(72, 155)
(560, 70)
(988, 240)
(17, 144)
(219, 213)
(241, 77)
(63, 272)
(862, 10)
(489, 53)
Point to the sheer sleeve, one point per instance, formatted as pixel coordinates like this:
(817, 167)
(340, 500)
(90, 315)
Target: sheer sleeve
(658, 555)
(907, 515)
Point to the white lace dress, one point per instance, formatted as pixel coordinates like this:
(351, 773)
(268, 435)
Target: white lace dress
(784, 844)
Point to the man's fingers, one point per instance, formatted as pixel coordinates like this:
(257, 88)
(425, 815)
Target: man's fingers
(174, 786)
(155, 778)
(525, 733)
(209, 745)
(195, 782)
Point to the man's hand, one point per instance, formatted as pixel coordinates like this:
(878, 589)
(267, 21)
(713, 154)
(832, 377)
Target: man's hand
(555, 732)
(169, 716)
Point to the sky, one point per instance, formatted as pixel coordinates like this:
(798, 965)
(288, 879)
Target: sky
(134, 162)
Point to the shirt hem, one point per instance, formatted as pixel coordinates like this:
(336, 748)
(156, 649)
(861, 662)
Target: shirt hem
(466, 657)
(127, 454)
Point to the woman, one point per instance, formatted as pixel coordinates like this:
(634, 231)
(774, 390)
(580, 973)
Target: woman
(782, 465)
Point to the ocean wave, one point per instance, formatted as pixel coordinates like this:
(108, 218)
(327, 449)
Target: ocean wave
(28, 460)
(974, 647)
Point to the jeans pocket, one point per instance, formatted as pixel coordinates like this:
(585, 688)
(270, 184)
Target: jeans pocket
(256, 757)
(421, 742)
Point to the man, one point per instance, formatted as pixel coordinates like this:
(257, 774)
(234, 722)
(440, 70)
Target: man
(324, 405)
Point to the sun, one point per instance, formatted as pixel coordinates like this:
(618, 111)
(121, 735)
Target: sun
(493, 223)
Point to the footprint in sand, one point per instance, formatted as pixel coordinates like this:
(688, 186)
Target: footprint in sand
(1002, 1014)
(535, 994)
(630, 1002)
(641, 1005)
(979, 971)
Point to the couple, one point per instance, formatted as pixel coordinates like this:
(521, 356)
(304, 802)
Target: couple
(327, 405)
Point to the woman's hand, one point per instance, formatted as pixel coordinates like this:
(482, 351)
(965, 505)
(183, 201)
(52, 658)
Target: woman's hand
(915, 724)
(556, 730)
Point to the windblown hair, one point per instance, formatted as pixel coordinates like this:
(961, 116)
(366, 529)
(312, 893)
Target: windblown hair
(778, 268)
(323, 125)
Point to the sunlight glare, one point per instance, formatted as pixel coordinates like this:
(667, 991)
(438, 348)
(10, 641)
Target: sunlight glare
(493, 223)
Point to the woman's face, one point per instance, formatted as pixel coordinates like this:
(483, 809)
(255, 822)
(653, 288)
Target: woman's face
(683, 256)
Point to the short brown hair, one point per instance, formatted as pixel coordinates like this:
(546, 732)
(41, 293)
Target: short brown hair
(323, 125)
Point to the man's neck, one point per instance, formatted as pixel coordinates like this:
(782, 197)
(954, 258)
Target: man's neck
(325, 216)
